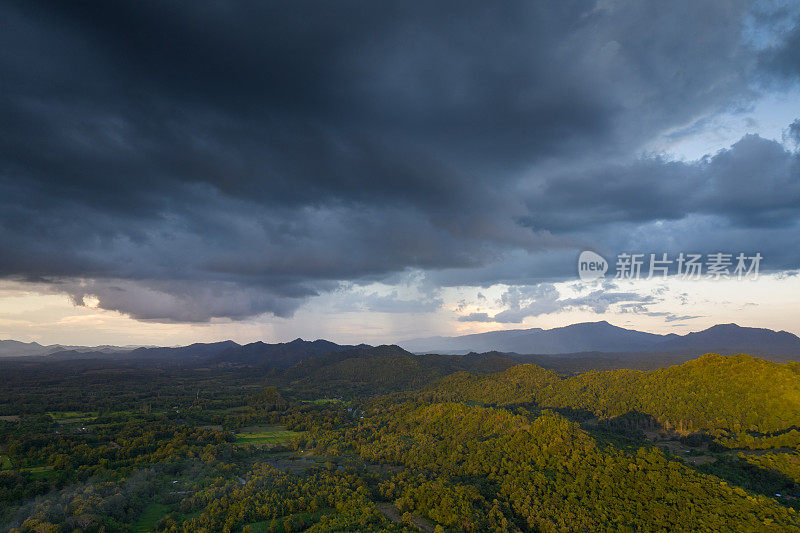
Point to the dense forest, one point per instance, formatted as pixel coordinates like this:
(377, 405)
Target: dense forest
(378, 439)
(715, 393)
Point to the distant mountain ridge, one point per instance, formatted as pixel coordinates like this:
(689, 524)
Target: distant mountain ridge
(12, 348)
(595, 339)
(226, 353)
(607, 338)
(280, 355)
(730, 338)
(196, 351)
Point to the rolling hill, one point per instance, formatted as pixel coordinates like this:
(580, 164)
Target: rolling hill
(382, 369)
(279, 355)
(736, 393)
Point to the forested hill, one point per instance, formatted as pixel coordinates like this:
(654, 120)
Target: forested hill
(735, 393)
(474, 468)
(382, 369)
(94, 446)
(279, 355)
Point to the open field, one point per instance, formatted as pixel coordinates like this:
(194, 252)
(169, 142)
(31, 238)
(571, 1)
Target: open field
(150, 517)
(324, 401)
(73, 417)
(40, 472)
(265, 435)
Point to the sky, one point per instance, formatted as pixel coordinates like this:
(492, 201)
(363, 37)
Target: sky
(377, 171)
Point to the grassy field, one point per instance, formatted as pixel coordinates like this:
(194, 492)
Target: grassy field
(323, 401)
(150, 517)
(68, 417)
(38, 472)
(265, 435)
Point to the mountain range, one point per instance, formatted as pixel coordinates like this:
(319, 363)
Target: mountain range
(226, 353)
(607, 338)
(12, 348)
(594, 341)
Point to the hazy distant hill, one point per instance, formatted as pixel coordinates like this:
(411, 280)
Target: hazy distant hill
(730, 338)
(12, 348)
(583, 337)
(578, 347)
(605, 337)
(193, 352)
(279, 355)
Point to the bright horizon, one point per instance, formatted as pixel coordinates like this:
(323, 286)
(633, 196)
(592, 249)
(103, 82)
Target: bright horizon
(90, 326)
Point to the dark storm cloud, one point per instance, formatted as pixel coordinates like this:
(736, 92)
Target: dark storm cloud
(794, 132)
(754, 183)
(780, 55)
(184, 161)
